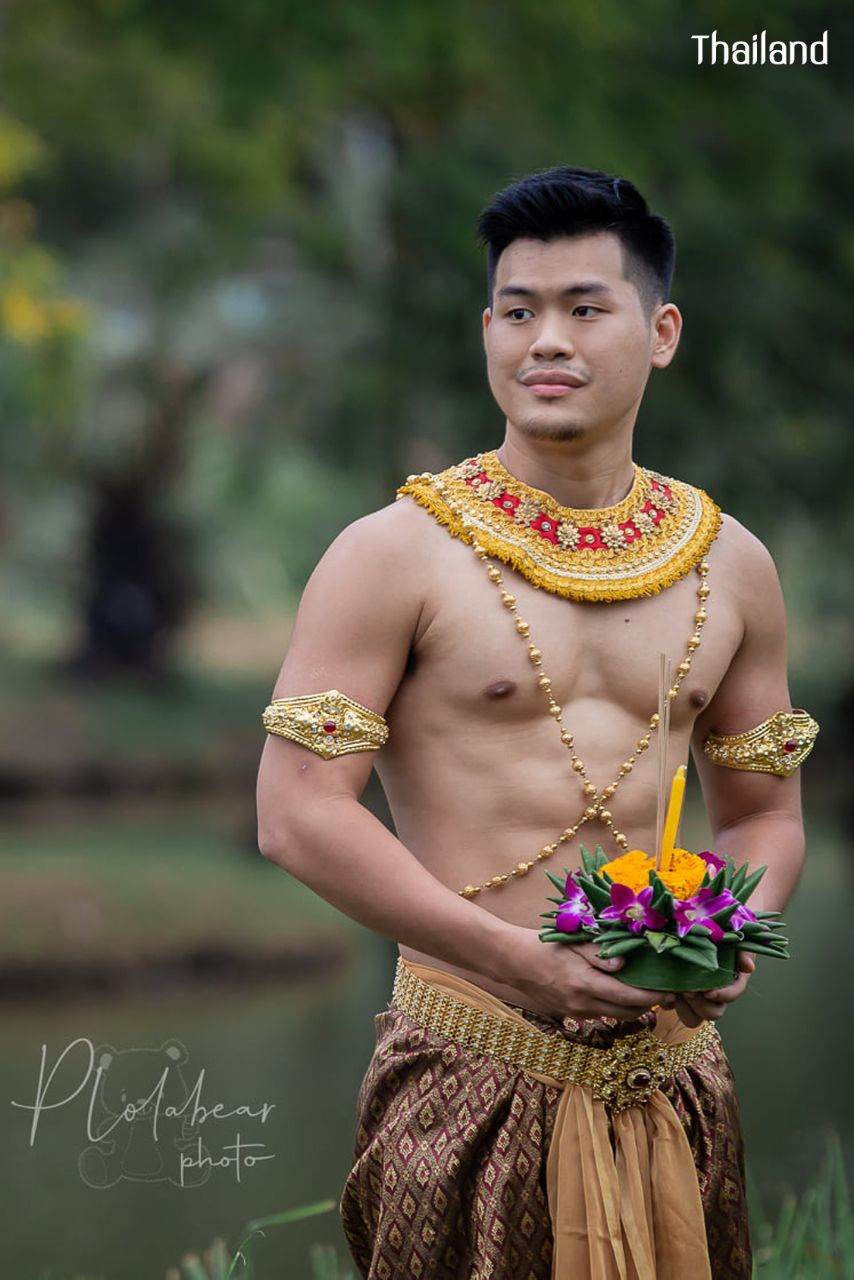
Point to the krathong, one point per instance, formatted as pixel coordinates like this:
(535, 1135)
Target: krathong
(679, 918)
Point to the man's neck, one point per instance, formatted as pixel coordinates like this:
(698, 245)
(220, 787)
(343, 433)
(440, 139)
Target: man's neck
(595, 478)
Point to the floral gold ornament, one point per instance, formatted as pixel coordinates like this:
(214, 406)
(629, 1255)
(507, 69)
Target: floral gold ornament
(443, 498)
(778, 745)
(329, 723)
(636, 547)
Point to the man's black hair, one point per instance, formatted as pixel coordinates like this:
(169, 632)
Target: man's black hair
(566, 201)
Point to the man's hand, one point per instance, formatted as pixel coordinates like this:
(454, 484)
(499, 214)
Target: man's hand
(572, 981)
(694, 1006)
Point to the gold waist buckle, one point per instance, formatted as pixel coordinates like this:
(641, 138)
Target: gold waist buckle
(624, 1075)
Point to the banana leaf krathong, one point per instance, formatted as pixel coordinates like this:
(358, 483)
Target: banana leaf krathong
(670, 942)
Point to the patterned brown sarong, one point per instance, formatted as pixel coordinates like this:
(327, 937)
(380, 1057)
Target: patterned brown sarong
(449, 1174)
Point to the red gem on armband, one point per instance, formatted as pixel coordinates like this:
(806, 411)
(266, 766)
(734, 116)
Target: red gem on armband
(790, 745)
(329, 726)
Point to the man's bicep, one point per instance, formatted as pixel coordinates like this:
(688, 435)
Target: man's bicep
(754, 687)
(352, 632)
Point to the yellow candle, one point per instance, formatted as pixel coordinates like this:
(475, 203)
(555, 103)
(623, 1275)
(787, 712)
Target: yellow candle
(671, 822)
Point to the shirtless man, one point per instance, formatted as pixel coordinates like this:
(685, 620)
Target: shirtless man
(402, 618)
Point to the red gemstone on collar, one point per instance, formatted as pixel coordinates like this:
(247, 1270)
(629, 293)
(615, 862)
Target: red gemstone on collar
(546, 527)
(790, 745)
(329, 726)
(590, 536)
(654, 511)
(506, 501)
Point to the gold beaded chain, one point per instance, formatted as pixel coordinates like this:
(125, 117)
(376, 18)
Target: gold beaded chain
(595, 809)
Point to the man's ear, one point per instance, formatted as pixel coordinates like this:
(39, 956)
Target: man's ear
(486, 317)
(667, 327)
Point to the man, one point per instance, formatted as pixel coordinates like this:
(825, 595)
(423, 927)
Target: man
(499, 695)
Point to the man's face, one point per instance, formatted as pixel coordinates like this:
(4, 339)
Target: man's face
(598, 335)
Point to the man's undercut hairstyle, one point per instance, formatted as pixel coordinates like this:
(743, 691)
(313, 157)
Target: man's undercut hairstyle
(566, 201)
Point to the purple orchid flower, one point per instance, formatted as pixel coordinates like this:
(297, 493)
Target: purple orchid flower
(576, 911)
(740, 916)
(712, 861)
(633, 909)
(699, 910)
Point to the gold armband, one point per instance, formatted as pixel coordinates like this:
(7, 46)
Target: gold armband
(777, 745)
(329, 723)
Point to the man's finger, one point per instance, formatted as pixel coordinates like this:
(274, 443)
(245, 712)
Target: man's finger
(616, 992)
(623, 1013)
(702, 1008)
(728, 993)
(588, 951)
(627, 997)
(686, 1012)
(606, 966)
(710, 1009)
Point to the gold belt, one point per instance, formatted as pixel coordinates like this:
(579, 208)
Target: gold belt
(624, 1075)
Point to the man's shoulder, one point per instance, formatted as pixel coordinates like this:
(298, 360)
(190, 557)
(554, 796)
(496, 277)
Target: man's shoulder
(388, 545)
(748, 569)
(742, 549)
(401, 526)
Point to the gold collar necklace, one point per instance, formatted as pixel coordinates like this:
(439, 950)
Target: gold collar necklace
(636, 547)
(684, 519)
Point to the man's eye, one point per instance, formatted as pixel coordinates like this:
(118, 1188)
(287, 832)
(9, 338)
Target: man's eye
(584, 306)
(515, 311)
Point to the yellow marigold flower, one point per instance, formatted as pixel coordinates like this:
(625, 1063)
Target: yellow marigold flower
(630, 869)
(683, 878)
(685, 874)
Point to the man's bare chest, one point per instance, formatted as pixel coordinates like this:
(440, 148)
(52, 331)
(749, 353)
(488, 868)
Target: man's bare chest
(470, 665)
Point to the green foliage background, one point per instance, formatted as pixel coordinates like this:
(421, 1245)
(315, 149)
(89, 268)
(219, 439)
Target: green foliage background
(238, 266)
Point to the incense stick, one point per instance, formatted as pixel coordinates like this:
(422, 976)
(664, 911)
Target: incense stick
(665, 747)
(663, 728)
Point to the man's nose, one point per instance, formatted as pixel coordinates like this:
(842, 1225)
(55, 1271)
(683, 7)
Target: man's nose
(552, 340)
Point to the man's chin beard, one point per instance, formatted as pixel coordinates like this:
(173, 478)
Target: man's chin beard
(536, 429)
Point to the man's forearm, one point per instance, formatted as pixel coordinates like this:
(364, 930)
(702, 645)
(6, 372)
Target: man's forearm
(347, 856)
(775, 840)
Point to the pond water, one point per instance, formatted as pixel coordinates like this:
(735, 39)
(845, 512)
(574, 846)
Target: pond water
(304, 1049)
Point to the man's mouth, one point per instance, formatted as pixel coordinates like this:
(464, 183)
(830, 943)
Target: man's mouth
(551, 390)
(550, 383)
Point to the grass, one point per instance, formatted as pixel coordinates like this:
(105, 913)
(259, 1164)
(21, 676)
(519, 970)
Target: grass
(812, 1237)
(215, 1263)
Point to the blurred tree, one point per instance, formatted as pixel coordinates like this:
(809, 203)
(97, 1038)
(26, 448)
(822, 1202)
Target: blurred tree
(274, 204)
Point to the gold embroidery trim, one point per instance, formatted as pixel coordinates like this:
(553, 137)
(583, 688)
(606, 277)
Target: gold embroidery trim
(624, 1075)
(643, 544)
(778, 745)
(329, 723)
